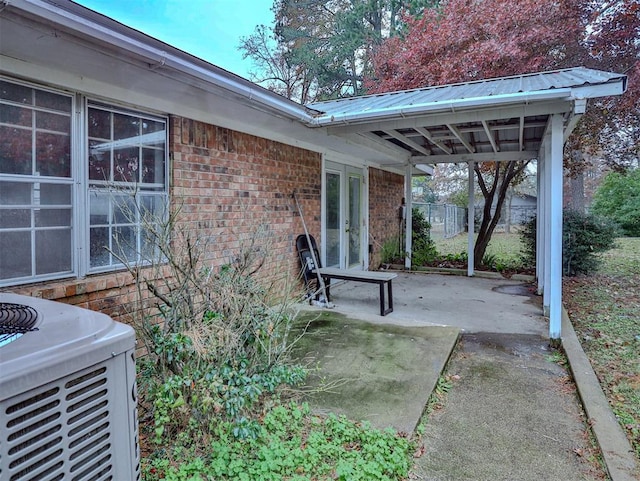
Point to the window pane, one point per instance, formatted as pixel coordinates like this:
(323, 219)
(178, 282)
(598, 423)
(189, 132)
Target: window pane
(124, 209)
(152, 166)
(99, 124)
(58, 123)
(53, 155)
(98, 246)
(15, 150)
(124, 243)
(126, 127)
(99, 209)
(15, 254)
(149, 126)
(53, 251)
(152, 207)
(15, 193)
(16, 93)
(53, 217)
(99, 161)
(55, 194)
(15, 115)
(126, 164)
(150, 248)
(53, 101)
(15, 218)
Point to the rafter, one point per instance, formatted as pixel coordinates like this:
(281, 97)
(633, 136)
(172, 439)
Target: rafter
(461, 138)
(407, 141)
(427, 135)
(487, 131)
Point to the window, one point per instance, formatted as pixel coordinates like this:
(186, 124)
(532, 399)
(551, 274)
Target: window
(46, 222)
(35, 183)
(127, 186)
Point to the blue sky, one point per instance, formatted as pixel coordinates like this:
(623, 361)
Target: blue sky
(209, 29)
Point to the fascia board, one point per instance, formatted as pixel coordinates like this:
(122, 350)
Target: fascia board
(163, 58)
(450, 106)
(431, 119)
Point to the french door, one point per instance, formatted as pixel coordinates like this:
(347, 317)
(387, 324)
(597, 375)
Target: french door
(343, 225)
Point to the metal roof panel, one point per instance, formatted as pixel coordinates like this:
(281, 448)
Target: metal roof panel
(441, 94)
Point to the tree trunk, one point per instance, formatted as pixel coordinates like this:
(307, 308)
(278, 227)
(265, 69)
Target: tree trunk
(502, 178)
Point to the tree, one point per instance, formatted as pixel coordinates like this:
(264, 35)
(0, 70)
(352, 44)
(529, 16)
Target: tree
(468, 39)
(321, 49)
(618, 199)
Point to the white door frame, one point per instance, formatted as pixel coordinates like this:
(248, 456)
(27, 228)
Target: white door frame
(344, 170)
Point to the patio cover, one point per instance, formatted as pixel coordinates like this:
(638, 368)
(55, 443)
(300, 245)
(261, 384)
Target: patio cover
(523, 117)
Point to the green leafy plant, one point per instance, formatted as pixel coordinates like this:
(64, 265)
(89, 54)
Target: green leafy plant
(390, 252)
(584, 236)
(423, 247)
(291, 443)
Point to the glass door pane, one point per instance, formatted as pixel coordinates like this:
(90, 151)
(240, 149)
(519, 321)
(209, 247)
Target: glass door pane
(332, 225)
(354, 221)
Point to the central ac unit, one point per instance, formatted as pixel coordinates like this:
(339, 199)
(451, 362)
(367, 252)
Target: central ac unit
(67, 394)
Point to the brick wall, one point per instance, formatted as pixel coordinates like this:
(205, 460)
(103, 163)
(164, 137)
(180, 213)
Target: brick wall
(228, 185)
(386, 190)
(232, 184)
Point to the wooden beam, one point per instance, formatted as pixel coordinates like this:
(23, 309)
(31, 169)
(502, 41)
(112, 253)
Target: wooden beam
(487, 131)
(503, 156)
(461, 138)
(407, 141)
(427, 135)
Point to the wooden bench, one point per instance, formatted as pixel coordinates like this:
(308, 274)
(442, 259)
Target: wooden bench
(380, 278)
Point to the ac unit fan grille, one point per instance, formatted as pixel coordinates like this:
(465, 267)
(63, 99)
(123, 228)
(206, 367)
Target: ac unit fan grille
(15, 320)
(63, 427)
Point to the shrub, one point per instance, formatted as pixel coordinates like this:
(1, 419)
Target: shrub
(584, 236)
(424, 249)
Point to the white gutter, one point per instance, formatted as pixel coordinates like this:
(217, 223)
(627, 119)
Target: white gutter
(159, 58)
(442, 106)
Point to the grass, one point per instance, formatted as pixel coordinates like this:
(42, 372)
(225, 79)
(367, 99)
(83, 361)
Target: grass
(504, 251)
(605, 311)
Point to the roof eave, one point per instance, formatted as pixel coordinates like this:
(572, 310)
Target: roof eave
(160, 55)
(614, 87)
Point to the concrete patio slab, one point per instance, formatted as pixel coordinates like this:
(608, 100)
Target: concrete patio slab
(380, 373)
(508, 416)
(470, 304)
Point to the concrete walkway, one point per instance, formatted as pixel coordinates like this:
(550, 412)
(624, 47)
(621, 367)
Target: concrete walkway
(511, 414)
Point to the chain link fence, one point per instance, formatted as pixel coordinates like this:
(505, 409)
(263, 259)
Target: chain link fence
(446, 220)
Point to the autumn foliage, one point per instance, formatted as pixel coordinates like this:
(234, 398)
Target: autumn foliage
(468, 39)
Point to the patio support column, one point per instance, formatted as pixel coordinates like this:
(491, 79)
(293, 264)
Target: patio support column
(471, 221)
(555, 313)
(546, 227)
(539, 223)
(408, 218)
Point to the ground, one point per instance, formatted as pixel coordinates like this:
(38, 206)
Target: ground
(605, 311)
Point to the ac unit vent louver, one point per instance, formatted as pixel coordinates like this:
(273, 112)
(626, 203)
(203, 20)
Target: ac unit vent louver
(68, 398)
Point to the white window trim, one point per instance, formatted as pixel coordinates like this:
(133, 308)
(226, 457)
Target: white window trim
(80, 235)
